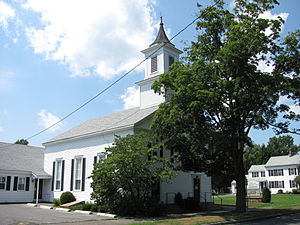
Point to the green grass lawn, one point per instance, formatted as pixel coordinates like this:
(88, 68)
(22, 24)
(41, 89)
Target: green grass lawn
(284, 201)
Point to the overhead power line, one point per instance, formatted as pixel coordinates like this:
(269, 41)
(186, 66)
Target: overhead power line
(111, 85)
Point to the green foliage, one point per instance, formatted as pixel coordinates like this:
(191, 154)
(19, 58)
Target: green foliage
(56, 202)
(178, 199)
(67, 197)
(297, 179)
(218, 90)
(266, 195)
(277, 146)
(123, 181)
(22, 142)
(95, 208)
(296, 191)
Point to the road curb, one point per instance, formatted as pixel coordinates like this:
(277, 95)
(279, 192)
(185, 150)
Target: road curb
(106, 215)
(83, 212)
(31, 204)
(64, 210)
(45, 207)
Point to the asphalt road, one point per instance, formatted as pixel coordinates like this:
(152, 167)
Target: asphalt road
(20, 214)
(293, 219)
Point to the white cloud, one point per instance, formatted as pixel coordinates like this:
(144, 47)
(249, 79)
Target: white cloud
(92, 37)
(47, 119)
(295, 109)
(1, 129)
(6, 13)
(131, 98)
(269, 15)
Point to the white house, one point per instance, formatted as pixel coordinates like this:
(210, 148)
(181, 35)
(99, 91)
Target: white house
(70, 156)
(277, 174)
(21, 170)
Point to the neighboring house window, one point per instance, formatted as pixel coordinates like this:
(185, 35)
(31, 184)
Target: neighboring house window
(262, 174)
(171, 60)
(172, 155)
(275, 172)
(2, 183)
(78, 173)
(292, 184)
(292, 171)
(58, 170)
(153, 64)
(161, 151)
(100, 157)
(276, 184)
(21, 184)
(255, 174)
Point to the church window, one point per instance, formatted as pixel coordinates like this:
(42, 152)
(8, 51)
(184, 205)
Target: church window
(171, 60)
(154, 64)
(58, 170)
(78, 172)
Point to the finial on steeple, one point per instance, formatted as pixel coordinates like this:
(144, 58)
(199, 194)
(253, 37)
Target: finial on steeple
(161, 36)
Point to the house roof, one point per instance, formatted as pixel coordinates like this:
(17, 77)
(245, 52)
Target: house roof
(161, 36)
(23, 158)
(283, 160)
(257, 168)
(105, 124)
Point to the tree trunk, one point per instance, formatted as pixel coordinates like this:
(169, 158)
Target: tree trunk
(240, 176)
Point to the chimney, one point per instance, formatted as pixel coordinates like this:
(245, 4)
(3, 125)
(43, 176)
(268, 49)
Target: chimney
(290, 153)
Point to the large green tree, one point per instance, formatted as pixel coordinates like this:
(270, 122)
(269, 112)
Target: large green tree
(126, 181)
(219, 89)
(277, 146)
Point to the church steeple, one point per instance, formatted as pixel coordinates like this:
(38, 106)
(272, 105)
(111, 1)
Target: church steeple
(161, 36)
(160, 55)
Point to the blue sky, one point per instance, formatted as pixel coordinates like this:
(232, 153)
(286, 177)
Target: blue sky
(56, 54)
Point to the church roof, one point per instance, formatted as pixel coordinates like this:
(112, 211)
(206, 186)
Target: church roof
(106, 123)
(161, 36)
(23, 158)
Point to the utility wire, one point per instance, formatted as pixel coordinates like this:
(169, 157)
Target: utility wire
(111, 85)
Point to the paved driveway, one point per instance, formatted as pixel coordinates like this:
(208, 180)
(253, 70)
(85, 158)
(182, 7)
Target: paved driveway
(22, 214)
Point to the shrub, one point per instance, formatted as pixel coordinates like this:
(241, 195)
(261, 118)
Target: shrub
(56, 202)
(280, 191)
(190, 204)
(296, 191)
(178, 199)
(87, 206)
(95, 208)
(266, 195)
(67, 197)
(154, 208)
(103, 208)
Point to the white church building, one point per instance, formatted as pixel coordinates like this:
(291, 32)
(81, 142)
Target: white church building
(70, 156)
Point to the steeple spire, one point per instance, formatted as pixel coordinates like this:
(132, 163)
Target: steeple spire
(161, 36)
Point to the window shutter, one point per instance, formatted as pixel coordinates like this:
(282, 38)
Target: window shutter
(15, 183)
(62, 175)
(95, 159)
(83, 175)
(72, 175)
(153, 64)
(8, 183)
(53, 174)
(27, 183)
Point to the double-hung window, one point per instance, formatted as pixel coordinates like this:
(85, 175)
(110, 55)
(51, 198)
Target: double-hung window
(78, 172)
(58, 172)
(255, 174)
(100, 157)
(21, 184)
(2, 183)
